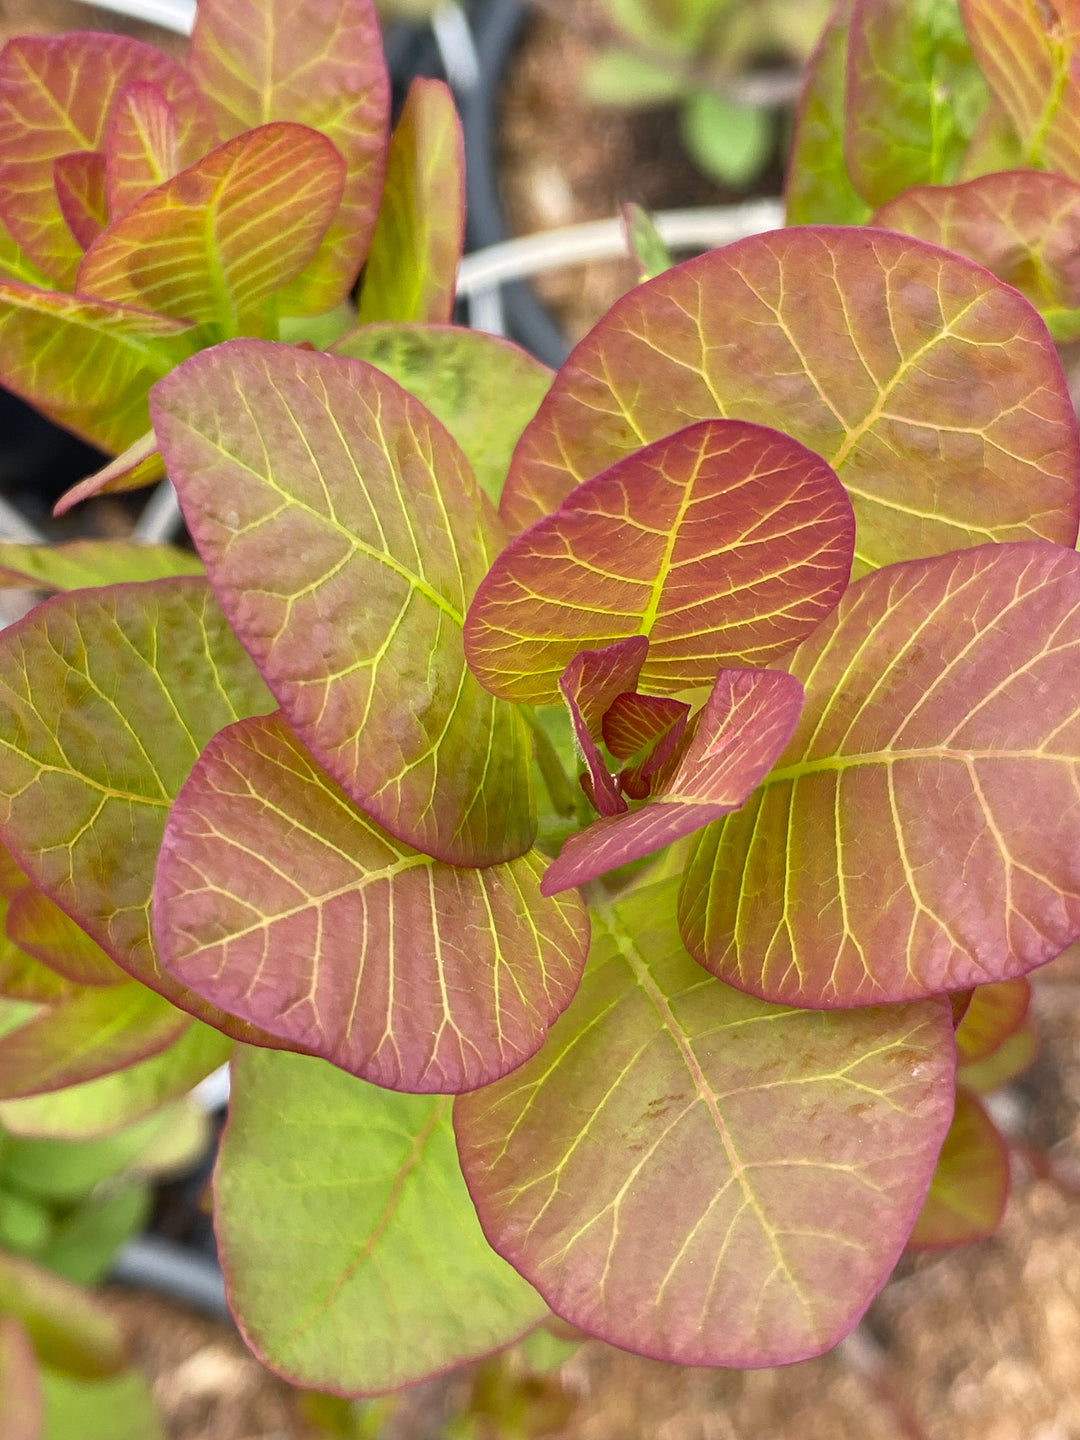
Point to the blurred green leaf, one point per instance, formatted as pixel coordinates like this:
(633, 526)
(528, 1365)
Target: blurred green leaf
(730, 142)
(618, 77)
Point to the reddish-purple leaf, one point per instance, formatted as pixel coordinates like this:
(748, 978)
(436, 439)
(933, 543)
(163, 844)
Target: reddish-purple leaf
(147, 142)
(745, 724)
(22, 1406)
(380, 536)
(320, 65)
(590, 683)
(56, 92)
(1029, 51)
(1021, 224)
(995, 1013)
(107, 698)
(970, 1188)
(931, 388)
(85, 364)
(80, 192)
(139, 465)
(278, 900)
(43, 930)
(94, 1033)
(635, 722)
(892, 853)
(724, 544)
(818, 188)
(411, 270)
(695, 1175)
(213, 242)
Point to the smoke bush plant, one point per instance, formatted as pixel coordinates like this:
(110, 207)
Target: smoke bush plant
(676, 1041)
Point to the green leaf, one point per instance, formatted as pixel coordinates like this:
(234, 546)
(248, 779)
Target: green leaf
(86, 1242)
(483, 389)
(280, 901)
(118, 1409)
(1028, 53)
(891, 852)
(1022, 225)
(995, 1013)
(352, 1253)
(411, 270)
(694, 1175)
(25, 1225)
(730, 142)
(929, 387)
(1011, 1058)
(619, 77)
(22, 1409)
(102, 1106)
(56, 93)
(643, 241)
(818, 188)
(217, 239)
(319, 65)
(382, 537)
(85, 364)
(914, 95)
(724, 544)
(69, 1332)
(968, 1193)
(128, 684)
(96, 1031)
(67, 1171)
(43, 930)
(79, 564)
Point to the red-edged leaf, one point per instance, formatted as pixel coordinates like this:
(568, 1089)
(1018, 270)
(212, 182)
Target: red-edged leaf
(112, 1102)
(321, 65)
(744, 725)
(106, 699)
(214, 241)
(43, 930)
(92, 1034)
(79, 564)
(913, 96)
(22, 978)
(1029, 51)
(80, 192)
(1021, 224)
(892, 852)
(22, 1412)
(1011, 1058)
(85, 364)
(482, 388)
(590, 683)
(931, 388)
(633, 723)
(725, 544)
(148, 141)
(56, 92)
(818, 188)
(411, 270)
(995, 1013)
(695, 1175)
(381, 537)
(278, 900)
(970, 1188)
(139, 465)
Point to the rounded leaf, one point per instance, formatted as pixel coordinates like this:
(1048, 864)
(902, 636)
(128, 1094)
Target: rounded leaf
(724, 544)
(892, 852)
(931, 388)
(694, 1175)
(280, 901)
(970, 1188)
